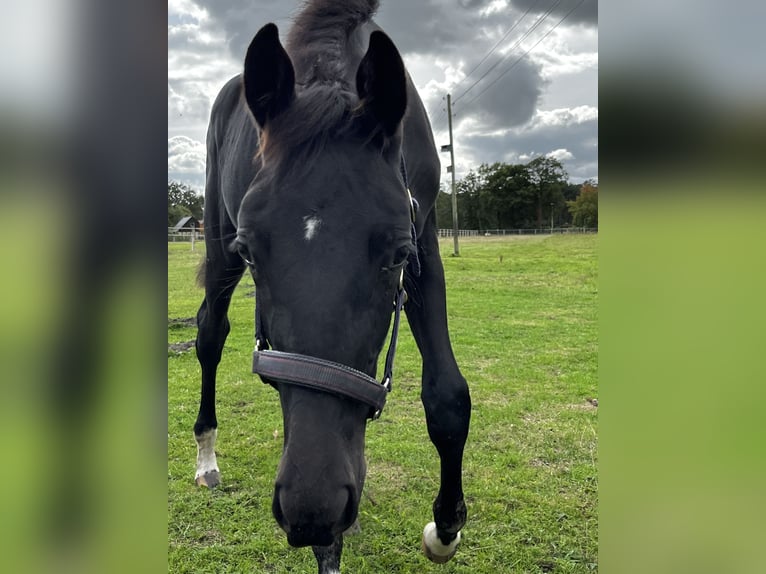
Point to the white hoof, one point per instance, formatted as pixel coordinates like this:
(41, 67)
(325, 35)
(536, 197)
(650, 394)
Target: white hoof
(433, 548)
(207, 466)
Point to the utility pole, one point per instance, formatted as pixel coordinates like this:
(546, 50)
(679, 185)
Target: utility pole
(551, 218)
(451, 169)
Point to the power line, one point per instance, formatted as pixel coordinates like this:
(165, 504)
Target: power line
(452, 171)
(434, 113)
(443, 113)
(524, 54)
(439, 136)
(500, 41)
(510, 51)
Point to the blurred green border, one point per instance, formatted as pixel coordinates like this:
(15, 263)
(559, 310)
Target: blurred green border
(682, 273)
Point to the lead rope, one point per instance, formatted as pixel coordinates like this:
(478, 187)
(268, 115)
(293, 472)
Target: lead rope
(388, 373)
(413, 262)
(261, 342)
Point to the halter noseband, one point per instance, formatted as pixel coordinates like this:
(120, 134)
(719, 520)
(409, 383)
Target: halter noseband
(328, 376)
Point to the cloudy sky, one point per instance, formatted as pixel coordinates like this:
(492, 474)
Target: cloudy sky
(522, 74)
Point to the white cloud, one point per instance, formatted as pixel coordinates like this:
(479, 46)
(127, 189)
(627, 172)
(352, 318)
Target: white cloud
(187, 9)
(547, 103)
(186, 159)
(559, 64)
(191, 100)
(563, 117)
(494, 7)
(569, 134)
(199, 64)
(560, 154)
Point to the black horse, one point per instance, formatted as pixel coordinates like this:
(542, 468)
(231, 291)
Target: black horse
(310, 151)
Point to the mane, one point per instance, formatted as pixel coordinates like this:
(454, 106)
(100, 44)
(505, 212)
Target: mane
(326, 99)
(318, 38)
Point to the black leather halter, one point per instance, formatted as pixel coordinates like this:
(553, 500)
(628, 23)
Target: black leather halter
(328, 376)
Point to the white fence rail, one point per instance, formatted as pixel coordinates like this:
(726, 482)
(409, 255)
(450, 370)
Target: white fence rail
(193, 235)
(185, 235)
(495, 232)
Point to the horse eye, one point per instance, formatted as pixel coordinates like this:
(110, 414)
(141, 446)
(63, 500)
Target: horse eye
(401, 255)
(244, 254)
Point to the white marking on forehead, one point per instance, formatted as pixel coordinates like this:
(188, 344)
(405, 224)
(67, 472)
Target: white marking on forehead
(311, 224)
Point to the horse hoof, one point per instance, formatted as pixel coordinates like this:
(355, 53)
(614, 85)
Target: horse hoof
(210, 479)
(434, 549)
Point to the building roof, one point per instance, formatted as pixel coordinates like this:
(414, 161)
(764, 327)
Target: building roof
(184, 222)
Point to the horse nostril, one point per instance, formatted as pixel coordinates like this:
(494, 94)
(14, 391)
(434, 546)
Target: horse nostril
(276, 508)
(315, 516)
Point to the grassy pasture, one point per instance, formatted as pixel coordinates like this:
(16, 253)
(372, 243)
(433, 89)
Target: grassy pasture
(523, 321)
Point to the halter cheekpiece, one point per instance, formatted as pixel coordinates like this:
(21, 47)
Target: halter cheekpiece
(328, 376)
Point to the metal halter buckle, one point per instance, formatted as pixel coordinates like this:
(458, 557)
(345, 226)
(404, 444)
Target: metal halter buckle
(412, 205)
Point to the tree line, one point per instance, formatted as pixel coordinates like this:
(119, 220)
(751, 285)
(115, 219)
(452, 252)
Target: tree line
(497, 196)
(182, 202)
(520, 196)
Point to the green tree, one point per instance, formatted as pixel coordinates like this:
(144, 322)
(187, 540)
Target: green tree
(470, 211)
(570, 193)
(444, 209)
(511, 196)
(547, 179)
(507, 195)
(183, 201)
(584, 209)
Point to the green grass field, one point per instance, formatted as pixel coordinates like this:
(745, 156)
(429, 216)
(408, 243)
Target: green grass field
(523, 321)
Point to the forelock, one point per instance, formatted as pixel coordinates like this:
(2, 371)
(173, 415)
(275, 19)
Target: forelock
(318, 115)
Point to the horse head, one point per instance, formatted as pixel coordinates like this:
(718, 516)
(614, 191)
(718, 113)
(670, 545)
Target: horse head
(325, 228)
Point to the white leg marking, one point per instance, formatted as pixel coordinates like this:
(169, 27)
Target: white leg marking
(206, 461)
(311, 223)
(435, 545)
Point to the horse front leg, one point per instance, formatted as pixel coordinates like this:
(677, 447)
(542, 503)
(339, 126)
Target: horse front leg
(446, 400)
(328, 557)
(221, 277)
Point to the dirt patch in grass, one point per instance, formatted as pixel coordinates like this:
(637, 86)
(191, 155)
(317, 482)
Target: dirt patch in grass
(553, 467)
(587, 405)
(387, 472)
(178, 348)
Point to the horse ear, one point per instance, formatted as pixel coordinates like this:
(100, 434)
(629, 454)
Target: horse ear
(269, 78)
(381, 82)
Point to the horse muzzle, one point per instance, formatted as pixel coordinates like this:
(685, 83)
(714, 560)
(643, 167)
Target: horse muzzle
(314, 517)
